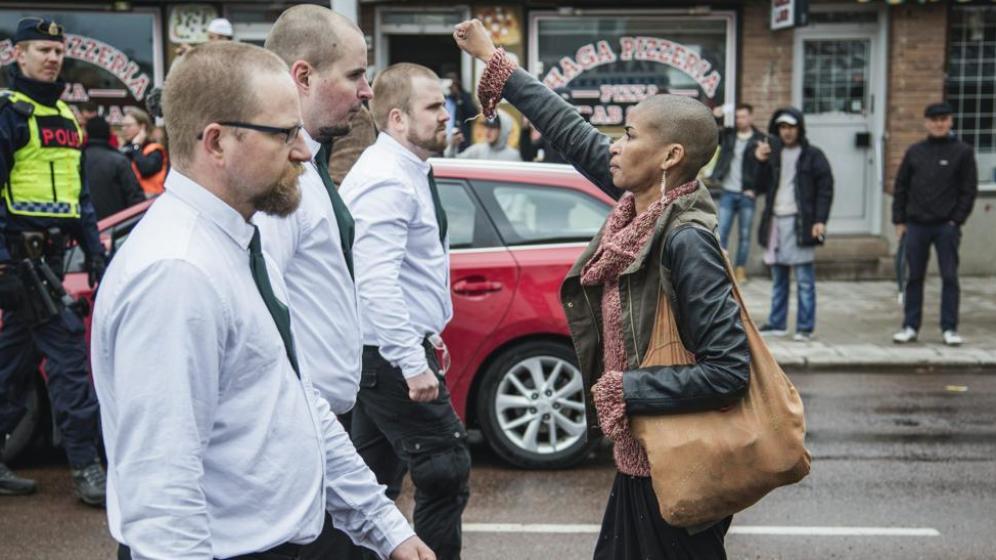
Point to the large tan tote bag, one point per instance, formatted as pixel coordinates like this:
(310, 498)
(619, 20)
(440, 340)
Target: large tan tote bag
(706, 466)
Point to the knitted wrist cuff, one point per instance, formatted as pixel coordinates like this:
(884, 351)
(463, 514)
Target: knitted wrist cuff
(496, 73)
(609, 404)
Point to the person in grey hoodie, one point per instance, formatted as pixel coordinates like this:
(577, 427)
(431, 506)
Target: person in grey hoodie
(495, 147)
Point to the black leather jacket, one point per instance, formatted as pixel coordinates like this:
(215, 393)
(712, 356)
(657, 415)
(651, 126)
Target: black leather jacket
(709, 325)
(683, 261)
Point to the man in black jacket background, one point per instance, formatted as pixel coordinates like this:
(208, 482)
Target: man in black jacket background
(735, 172)
(798, 181)
(935, 190)
(113, 186)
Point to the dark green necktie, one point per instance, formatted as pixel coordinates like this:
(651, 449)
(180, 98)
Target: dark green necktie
(437, 205)
(347, 226)
(279, 311)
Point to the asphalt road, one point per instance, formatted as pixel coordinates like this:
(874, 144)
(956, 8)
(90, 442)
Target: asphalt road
(914, 453)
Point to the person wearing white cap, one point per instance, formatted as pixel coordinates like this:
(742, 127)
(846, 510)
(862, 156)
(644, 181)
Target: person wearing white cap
(220, 29)
(798, 181)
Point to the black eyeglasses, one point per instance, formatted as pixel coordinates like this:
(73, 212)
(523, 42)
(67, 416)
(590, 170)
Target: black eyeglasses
(290, 133)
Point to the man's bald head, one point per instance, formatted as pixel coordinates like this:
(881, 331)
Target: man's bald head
(310, 33)
(678, 119)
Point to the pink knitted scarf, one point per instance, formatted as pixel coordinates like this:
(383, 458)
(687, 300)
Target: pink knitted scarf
(625, 234)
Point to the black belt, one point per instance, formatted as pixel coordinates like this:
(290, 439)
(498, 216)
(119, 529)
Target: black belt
(286, 551)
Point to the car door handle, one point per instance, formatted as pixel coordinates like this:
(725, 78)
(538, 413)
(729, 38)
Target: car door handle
(475, 287)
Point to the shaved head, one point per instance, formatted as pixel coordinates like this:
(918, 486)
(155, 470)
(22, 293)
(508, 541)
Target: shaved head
(310, 33)
(678, 119)
(667, 137)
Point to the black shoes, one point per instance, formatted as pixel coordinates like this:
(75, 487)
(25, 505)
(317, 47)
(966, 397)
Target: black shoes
(13, 485)
(91, 484)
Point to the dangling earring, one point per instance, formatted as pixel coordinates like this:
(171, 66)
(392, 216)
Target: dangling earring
(663, 180)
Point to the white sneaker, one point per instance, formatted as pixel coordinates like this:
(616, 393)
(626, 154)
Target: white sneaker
(904, 336)
(951, 338)
(768, 330)
(803, 337)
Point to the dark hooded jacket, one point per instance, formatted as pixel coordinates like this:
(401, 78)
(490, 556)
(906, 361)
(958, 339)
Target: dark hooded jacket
(813, 184)
(727, 143)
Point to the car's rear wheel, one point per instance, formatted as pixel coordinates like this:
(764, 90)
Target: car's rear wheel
(27, 429)
(531, 406)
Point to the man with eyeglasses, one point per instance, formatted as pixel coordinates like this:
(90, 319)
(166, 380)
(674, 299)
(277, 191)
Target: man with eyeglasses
(218, 444)
(312, 247)
(45, 202)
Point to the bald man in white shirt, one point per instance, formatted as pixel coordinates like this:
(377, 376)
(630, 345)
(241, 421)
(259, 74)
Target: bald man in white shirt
(312, 247)
(218, 445)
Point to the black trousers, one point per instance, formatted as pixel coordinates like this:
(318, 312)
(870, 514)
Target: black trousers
(62, 342)
(393, 434)
(946, 239)
(282, 552)
(633, 528)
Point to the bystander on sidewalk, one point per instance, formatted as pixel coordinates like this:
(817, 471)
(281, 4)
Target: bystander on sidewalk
(856, 321)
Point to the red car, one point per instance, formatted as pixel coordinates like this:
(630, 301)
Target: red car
(515, 230)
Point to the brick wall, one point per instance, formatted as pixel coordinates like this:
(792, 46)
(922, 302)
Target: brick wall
(765, 62)
(917, 50)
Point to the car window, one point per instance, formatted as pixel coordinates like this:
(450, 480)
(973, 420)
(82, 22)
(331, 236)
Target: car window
(467, 223)
(532, 214)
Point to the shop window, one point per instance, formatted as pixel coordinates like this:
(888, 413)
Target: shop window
(971, 81)
(606, 64)
(109, 56)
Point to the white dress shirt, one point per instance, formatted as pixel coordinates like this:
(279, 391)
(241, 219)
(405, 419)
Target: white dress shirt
(306, 247)
(402, 269)
(215, 447)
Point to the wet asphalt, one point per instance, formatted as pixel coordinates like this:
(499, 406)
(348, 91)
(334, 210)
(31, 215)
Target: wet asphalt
(914, 450)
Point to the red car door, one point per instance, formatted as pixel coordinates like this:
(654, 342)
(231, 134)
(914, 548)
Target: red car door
(483, 282)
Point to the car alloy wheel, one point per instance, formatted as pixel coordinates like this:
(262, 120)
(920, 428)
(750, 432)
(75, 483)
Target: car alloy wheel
(534, 413)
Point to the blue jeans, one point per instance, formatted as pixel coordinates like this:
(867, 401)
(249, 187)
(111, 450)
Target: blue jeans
(734, 205)
(805, 279)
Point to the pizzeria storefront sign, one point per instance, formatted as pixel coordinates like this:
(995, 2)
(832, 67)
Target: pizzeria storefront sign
(104, 65)
(631, 59)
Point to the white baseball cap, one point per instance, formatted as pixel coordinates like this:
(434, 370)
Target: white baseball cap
(787, 118)
(221, 26)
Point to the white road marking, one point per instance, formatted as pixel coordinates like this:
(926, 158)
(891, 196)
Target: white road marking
(735, 530)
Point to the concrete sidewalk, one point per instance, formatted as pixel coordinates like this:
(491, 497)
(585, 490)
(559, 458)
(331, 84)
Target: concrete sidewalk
(855, 322)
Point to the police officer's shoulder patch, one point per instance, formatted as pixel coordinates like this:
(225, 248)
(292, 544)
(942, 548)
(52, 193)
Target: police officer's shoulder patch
(22, 107)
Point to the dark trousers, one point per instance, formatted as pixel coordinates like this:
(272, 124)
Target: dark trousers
(945, 238)
(393, 434)
(282, 552)
(62, 342)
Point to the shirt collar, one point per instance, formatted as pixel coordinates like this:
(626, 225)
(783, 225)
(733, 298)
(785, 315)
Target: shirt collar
(312, 144)
(387, 142)
(207, 204)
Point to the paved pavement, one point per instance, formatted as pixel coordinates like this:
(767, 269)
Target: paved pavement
(903, 468)
(855, 322)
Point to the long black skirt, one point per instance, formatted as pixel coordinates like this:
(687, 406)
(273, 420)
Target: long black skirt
(633, 528)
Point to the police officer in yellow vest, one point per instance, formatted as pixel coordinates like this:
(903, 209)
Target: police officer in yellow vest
(45, 202)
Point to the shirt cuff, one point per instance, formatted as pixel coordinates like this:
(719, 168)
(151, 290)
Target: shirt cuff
(394, 530)
(413, 363)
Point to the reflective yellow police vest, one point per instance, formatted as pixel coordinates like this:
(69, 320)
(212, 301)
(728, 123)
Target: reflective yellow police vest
(45, 181)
